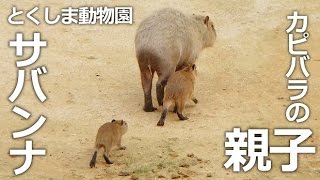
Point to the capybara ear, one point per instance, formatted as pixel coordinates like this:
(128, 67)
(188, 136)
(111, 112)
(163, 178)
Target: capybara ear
(206, 20)
(194, 67)
(113, 120)
(121, 122)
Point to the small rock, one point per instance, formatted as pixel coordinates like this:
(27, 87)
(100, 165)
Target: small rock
(134, 177)
(98, 177)
(209, 175)
(124, 173)
(175, 176)
(91, 57)
(161, 176)
(173, 139)
(183, 174)
(136, 138)
(185, 165)
(191, 155)
(160, 166)
(199, 159)
(120, 155)
(173, 154)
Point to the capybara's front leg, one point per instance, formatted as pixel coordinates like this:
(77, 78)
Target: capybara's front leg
(120, 147)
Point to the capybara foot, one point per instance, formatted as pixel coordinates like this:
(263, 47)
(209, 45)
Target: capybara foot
(149, 108)
(93, 160)
(92, 164)
(160, 123)
(108, 161)
(182, 117)
(195, 100)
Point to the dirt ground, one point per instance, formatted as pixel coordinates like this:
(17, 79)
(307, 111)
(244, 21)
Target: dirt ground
(93, 77)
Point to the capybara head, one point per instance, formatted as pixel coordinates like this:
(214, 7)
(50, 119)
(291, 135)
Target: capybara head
(192, 68)
(122, 123)
(209, 33)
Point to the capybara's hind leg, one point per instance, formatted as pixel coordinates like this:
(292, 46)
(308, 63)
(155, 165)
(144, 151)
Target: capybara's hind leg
(166, 106)
(180, 108)
(175, 110)
(146, 81)
(108, 161)
(181, 116)
(163, 117)
(106, 155)
(162, 82)
(160, 92)
(93, 160)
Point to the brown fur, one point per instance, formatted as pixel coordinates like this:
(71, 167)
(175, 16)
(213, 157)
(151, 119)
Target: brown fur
(167, 41)
(179, 89)
(108, 136)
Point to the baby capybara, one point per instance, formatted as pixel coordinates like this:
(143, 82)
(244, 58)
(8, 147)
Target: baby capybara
(108, 136)
(178, 90)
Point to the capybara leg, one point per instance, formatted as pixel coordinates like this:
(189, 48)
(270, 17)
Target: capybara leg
(162, 82)
(160, 92)
(120, 146)
(146, 81)
(108, 161)
(106, 155)
(175, 110)
(180, 107)
(181, 116)
(163, 117)
(93, 160)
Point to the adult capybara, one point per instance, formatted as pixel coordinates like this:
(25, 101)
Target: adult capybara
(167, 41)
